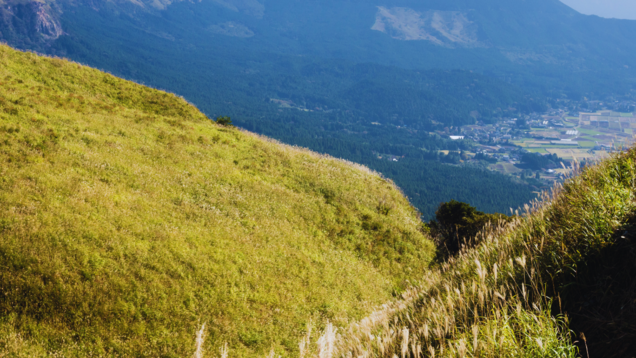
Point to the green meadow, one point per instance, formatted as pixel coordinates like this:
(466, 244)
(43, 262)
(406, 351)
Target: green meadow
(128, 220)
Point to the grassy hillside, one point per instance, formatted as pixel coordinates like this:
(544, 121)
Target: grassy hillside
(562, 272)
(128, 219)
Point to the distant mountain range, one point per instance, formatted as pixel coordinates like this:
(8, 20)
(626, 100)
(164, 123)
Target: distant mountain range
(470, 34)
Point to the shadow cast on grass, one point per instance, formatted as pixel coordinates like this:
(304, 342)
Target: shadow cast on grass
(601, 300)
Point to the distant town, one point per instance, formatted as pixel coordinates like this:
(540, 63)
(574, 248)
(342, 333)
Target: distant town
(537, 149)
(559, 136)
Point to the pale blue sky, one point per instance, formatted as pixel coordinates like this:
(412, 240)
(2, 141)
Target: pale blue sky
(620, 9)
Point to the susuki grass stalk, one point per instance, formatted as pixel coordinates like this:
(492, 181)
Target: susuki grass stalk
(225, 351)
(495, 299)
(198, 353)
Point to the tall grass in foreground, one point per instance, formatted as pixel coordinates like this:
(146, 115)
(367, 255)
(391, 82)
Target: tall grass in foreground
(499, 298)
(198, 353)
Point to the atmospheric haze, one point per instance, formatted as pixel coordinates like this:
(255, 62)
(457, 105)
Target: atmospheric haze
(619, 9)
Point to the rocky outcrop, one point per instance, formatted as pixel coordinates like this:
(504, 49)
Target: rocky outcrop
(249, 7)
(444, 28)
(46, 23)
(232, 29)
(29, 24)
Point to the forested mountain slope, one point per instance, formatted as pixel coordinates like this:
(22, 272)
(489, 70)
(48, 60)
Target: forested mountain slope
(128, 219)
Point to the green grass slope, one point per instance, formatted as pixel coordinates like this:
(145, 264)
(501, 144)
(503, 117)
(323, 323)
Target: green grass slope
(557, 282)
(128, 219)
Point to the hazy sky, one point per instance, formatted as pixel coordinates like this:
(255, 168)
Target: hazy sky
(620, 9)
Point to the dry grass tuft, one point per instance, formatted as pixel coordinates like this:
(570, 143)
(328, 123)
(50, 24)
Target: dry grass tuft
(198, 353)
(225, 351)
(326, 342)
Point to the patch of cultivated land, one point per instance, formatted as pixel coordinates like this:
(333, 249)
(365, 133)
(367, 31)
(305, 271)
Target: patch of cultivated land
(578, 154)
(506, 168)
(590, 143)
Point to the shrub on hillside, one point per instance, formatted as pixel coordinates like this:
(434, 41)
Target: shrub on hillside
(224, 121)
(457, 224)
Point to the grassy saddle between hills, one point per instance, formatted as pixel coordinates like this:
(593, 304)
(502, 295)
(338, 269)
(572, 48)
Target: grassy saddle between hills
(128, 219)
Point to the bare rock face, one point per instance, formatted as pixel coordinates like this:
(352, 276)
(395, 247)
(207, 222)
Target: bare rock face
(29, 24)
(232, 29)
(443, 28)
(45, 21)
(250, 7)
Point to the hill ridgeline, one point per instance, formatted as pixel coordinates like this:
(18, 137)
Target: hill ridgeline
(128, 219)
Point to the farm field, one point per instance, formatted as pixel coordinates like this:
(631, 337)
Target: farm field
(589, 137)
(588, 142)
(506, 168)
(578, 153)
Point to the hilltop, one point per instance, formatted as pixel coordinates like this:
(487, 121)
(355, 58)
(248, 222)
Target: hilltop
(129, 219)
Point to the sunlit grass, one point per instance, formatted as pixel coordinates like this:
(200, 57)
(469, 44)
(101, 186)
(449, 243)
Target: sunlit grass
(500, 299)
(129, 219)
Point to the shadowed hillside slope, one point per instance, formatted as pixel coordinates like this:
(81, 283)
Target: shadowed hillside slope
(128, 219)
(556, 282)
